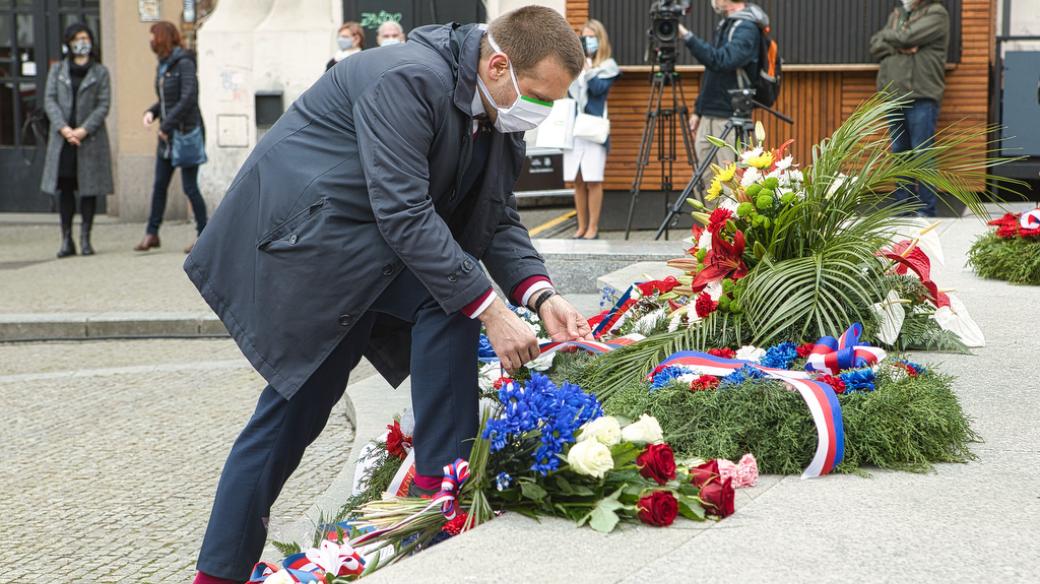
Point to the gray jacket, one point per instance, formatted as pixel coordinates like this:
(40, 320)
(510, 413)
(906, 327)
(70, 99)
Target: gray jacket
(355, 183)
(93, 157)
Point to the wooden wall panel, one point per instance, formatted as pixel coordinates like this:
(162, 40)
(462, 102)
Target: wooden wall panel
(818, 100)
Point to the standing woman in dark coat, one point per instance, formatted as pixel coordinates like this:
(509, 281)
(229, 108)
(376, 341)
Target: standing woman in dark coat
(79, 162)
(177, 86)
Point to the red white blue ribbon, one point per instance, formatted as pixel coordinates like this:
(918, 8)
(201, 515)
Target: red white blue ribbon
(832, 355)
(455, 474)
(312, 565)
(613, 316)
(594, 347)
(819, 397)
(1030, 220)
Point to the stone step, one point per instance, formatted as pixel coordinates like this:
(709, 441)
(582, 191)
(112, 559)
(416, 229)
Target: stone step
(575, 265)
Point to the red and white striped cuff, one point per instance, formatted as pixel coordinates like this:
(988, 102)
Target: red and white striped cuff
(475, 308)
(526, 289)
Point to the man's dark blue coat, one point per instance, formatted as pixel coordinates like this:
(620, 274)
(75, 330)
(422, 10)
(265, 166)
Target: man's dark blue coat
(357, 181)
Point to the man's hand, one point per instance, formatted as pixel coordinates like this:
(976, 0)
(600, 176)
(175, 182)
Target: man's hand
(683, 31)
(510, 337)
(563, 322)
(909, 51)
(148, 119)
(695, 122)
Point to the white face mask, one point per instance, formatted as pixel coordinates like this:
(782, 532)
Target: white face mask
(525, 113)
(388, 42)
(719, 9)
(345, 43)
(908, 5)
(81, 48)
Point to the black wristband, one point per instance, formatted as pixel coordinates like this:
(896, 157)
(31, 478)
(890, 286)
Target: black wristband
(541, 300)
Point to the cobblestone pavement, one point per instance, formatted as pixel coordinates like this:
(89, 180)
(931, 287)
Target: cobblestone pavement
(112, 450)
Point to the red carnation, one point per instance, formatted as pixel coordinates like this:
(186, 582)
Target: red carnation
(502, 381)
(705, 305)
(657, 462)
(1007, 231)
(717, 498)
(702, 474)
(455, 526)
(1029, 232)
(725, 353)
(805, 349)
(658, 508)
(704, 383)
(718, 219)
(396, 441)
(835, 382)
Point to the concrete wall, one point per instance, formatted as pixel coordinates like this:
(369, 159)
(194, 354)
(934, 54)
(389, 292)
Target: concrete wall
(250, 46)
(132, 66)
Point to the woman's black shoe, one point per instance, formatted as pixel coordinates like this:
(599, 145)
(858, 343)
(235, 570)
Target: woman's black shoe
(67, 247)
(84, 241)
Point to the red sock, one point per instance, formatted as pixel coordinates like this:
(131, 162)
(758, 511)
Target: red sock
(203, 578)
(427, 482)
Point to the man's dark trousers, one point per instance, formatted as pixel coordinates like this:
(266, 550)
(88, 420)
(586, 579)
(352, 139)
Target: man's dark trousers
(444, 398)
(913, 128)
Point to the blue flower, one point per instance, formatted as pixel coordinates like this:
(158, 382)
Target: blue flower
(555, 411)
(484, 350)
(741, 375)
(665, 376)
(502, 481)
(858, 380)
(780, 356)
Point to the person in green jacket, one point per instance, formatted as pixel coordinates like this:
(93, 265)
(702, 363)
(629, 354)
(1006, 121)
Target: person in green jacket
(912, 49)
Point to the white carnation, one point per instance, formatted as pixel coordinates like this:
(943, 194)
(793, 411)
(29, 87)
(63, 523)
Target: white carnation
(750, 353)
(751, 176)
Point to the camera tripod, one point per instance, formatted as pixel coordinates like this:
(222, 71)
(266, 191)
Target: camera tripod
(661, 125)
(740, 122)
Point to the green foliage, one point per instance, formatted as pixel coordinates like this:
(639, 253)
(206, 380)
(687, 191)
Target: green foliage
(906, 424)
(377, 482)
(286, 549)
(1013, 260)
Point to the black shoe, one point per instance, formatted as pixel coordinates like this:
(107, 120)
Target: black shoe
(84, 241)
(67, 247)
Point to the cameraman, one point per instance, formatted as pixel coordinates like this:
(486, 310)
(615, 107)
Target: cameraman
(730, 61)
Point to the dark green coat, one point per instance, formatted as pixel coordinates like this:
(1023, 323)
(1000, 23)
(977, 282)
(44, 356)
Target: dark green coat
(921, 75)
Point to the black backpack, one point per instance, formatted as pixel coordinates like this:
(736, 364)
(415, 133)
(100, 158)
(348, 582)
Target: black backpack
(767, 83)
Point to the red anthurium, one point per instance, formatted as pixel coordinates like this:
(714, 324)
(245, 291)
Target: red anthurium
(724, 260)
(663, 286)
(914, 259)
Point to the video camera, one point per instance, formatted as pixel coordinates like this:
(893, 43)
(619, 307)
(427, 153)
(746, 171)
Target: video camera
(664, 31)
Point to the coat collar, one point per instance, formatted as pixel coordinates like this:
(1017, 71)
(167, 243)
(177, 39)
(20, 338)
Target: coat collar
(469, 38)
(89, 79)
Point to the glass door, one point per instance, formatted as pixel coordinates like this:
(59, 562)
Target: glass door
(30, 40)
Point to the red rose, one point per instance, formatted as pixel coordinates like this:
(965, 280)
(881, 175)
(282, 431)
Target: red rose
(835, 382)
(705, 305)
(702, 474)
(455, 526)
(657, 462)
(704, 383)
(717, 498)
(805, 349)
(718, 219)
(658, 508)
(725, 353)
(396, 441)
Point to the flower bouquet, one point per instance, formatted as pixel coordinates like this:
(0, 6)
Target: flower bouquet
(1011, 252)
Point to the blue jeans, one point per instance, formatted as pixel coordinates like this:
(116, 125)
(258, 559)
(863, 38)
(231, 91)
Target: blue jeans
(444, 399)
(190, 182)
(915, 127)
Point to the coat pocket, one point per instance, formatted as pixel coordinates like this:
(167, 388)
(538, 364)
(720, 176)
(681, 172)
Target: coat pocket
(298, 229)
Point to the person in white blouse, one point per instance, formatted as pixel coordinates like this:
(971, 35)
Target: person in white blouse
(584, 164)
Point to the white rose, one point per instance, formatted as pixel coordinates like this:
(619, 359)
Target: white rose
(280, 577)
(590, 458)
(645, 430)
(750, 353)
(542, 363)
(606, 430)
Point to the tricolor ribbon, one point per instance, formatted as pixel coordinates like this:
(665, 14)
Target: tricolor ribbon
(612, 317)
(455, 474)
(819, 397)
(312, 565)
(1030, 220)
(594, 347)
(831, 355)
